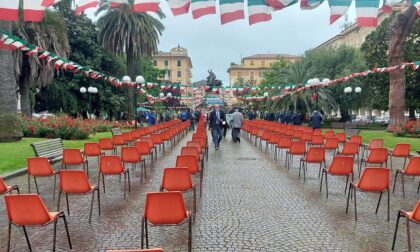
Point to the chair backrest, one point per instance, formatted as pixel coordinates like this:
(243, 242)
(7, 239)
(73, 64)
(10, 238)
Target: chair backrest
(329, 133)
(189, 161)
(39, 166)
(165, 208)
(111, 165)
(176, 179)
(356, 138)
(377, 155)
(18, 206)
(317, 139)
(127, 136)
(376, 143)
(285, 142)
(143, 148)
(413, 166)
(188, 150)
(194, 144)
(306, 137)
(156, 138)
(106, 144)
(130, 155)
(148, 140)
(341, 136)
(341, 165)
(74, 181)
(374, 179)
(315, 155)
(3, 186)
(72, 156)
(118, 140)
(401, 150)
(350, 148)
(331, 143)
(91, 149)
(416, 212)
(317, 132)
(297, 148)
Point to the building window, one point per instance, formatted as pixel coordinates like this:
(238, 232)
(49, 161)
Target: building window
(169, 73)
(252, 62)
(263, 63)
(155, 62)
(166, 63)
(252, 76)
(178, 63)
(238, 75)
(178, 74)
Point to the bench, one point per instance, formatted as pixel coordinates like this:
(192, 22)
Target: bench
(116, 131)
(51, 149)
(335, 125)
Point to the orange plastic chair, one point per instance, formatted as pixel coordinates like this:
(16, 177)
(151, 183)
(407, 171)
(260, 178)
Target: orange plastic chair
(77, 183)
(376, 156)
(296, 149)
(340, 166)
(373, 179)
(317, 132)
(374, 143)
(188, 150)
(131, 156)
(315, 155)
(331, 144)
(17, 211)
(165, 208)
(107, 144)
(111, 165)
(329, 134)
(283, 143)
(7, 189)
(73, 157)
(40, 167)
(118, 140)
(413, 216)
(179, 179)
(157, 140)
(190, 162)
(144, 149)
(151, 144)
(357, 139)
(91, 150)
(400, 151)
(350, 149)
(412, 169)
(128, 138)
(317, 140)
(341, 137)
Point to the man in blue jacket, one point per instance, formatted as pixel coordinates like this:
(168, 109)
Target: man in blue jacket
(316, 120)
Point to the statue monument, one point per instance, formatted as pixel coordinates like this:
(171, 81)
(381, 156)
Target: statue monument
(212, 81)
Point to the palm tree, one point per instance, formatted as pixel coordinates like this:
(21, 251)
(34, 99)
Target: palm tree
(10, 129)
(124, 32)
(50, 34)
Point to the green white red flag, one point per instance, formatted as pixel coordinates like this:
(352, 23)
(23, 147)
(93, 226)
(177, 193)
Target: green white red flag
(258, 11)
(117, 3)
(367, 12)
(48, 3)
(179, 7)
(202, 7)
(146, 5)
(310, 4)
(231, 10)
(33, 10)
(86, 4)
(9, 10)
(338, 8)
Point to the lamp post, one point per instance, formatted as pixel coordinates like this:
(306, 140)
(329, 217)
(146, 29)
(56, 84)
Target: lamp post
(90, 90)
(349, 90)
(139, 81)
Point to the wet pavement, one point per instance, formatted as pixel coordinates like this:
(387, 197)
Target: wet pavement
(249, 203)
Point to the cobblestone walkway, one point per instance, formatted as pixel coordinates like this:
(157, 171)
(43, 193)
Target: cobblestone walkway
(249, 203)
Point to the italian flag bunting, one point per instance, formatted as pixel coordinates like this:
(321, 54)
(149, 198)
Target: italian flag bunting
(387, 7)
(258, 11)
(48, 3)
(179, 7)
(44, 54)
(416, 4)
(149, 85)
(280, 4)
(117, 3)
(33, 10)
(310, 4)
(146, 5)
(367, 12)
(9, 10)
(338, 8)
(231, 10)
(33, 51)
(202, 7)
(86, 4)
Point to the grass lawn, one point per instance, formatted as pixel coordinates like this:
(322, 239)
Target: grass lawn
(13, 155)
(389, 139)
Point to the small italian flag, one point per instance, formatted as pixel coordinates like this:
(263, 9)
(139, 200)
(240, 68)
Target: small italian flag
(387, 7)
(9, 10)
(258, 11)
(86, 4)
(33, 10)
(202, 7)
(48, 3)
(179, 7)
(146, 5)
(310, 4)
(231, 10)
(338, 8)
(367, 13)
(280, 4)
(117, 3)
(149, 85)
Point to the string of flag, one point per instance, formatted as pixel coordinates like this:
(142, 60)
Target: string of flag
(230, 10)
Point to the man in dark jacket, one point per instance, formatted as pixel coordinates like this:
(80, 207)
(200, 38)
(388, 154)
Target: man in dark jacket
(216, 119)
(297, 119)
(316, 120)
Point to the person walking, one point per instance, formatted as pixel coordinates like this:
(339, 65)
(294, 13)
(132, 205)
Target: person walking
(297, 119)
(216, 118)
(184, 116)
(316, 120)
(191, 116)
(236, 123)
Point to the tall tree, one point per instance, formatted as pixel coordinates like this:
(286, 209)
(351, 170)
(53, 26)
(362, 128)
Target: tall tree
(398, 31)
(124, 32)
(10, 129)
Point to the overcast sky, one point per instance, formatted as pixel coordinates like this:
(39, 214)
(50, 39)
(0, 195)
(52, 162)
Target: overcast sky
(214, 46)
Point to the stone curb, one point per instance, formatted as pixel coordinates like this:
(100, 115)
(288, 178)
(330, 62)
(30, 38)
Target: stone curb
(15, 174)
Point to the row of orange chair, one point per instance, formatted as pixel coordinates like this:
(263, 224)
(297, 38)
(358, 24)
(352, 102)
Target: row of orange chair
(71, 182)
(373, 179)
(167, 207)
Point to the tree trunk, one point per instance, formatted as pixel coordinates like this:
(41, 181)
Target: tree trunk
(130, 70)
(10, 129)
(412, 113)
(24, 85)
(398, 30)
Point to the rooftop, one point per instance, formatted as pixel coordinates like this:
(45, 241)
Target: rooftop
(271, 56)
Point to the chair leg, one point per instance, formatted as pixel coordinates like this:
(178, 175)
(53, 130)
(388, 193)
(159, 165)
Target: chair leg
(129, 184)
(326, 182)
(27, 238)
(99, 200)
(194, 201)
(388, 203)
(9, 236)
(125, 183)
(396, 230)
(54, 234)
(67, 230)
(67, 202)
(403, 186)
(36, 185)
(407, 221)
(91, 206)
(55, 184)
(322, 178)
(347, 182)
(418, 187)
(103, 181)
(142, 233)
(379, 202)
(58, 201)
(146, 233)
(29, 184)
(355, 203)
(189, 234)
(395, 181)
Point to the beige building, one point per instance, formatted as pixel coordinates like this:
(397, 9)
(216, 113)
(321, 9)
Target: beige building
(177, 64)
(251, 69)
(353, 35)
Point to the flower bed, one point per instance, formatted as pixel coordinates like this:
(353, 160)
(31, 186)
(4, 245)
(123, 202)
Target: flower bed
(63, 127)
(410, 129)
